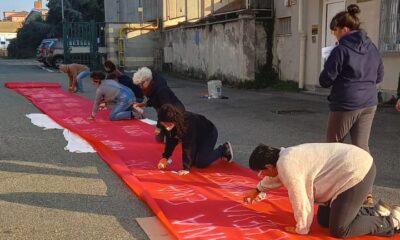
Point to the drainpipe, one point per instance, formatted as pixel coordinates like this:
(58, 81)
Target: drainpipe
(303, 37)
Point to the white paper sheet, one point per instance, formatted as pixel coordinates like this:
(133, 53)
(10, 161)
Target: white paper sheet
(326, 51)
(149, 121)
(75, 143)
(42, 120)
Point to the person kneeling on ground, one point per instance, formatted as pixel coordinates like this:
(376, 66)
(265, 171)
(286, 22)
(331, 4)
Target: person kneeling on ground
(158, 93)
(336, 176)
(112, 93)
(198, 136)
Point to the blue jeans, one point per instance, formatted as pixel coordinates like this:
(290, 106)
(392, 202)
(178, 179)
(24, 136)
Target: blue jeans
(123, 107)
(79, 79)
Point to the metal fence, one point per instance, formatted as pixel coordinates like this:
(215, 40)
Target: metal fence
(82, 42)
(389, 36)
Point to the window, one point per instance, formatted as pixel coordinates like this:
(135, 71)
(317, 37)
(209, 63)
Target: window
(284, 26)
(389, 36)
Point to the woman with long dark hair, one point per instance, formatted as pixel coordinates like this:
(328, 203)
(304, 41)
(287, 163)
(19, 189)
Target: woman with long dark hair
(198, 136)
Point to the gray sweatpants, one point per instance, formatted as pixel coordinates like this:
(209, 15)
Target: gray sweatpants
(357, 122)
(347, 218)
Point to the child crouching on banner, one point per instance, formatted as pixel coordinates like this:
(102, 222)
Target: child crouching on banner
(198, 136)
(335, 175)
(111, 93)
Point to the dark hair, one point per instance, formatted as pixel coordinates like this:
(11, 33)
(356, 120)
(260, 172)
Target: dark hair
(170, 113)
(98, 75)
(111, 76)
(110, 65)
(263, 155)
(347, 19)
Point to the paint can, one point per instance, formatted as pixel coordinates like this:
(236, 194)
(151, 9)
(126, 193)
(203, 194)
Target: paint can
(214, 89)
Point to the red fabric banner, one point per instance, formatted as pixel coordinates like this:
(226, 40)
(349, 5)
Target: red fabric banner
(206, 204)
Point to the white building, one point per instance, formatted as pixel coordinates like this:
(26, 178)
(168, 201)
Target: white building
(8, 31)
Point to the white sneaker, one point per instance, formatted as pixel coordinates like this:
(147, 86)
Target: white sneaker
(382, 208)
(228, 152)
(396, 217)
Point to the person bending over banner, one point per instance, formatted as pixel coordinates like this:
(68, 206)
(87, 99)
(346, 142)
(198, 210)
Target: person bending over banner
(158, 93)
(109, 67)
(127, 82)
(198, 136)
(337, 176)
(76, 73)
(110, 92)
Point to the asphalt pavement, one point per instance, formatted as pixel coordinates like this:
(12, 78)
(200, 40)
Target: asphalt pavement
(49, 193)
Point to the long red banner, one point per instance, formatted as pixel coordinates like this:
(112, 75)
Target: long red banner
(206, 204)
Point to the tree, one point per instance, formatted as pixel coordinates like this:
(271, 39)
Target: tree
(74, 11)
(31, 34)
(28, 38)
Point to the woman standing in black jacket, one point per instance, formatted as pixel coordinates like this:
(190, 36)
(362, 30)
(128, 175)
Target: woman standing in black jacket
(198, 136)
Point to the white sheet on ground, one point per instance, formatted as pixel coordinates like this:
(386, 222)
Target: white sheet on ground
(149, 121)
(75, 142)
(42, 120)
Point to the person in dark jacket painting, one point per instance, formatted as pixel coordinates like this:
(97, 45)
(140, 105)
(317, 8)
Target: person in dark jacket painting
(353, 70)
(158, 93)
(198, 136)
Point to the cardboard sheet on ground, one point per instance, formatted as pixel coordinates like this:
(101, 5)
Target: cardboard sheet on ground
(206, 204)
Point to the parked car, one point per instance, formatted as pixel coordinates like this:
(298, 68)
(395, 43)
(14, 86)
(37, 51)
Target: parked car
(54, 53)
(41, 49)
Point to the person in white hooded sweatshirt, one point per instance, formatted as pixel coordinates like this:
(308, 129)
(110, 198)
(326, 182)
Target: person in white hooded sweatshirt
(336, 176)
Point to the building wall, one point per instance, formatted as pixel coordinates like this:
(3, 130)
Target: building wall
(286, 47)
(313, 31)
(5, 39)
(226, 51)
(141, 47)
(128, 11)
(286, 54)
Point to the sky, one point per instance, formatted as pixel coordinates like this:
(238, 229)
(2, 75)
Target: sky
(17, 5)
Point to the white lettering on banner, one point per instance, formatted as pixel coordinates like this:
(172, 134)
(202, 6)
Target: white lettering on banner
(251, 222)
(79, 120)
(182, 195)
(135, 131)
(204, 230)
(55, 95)
(95, 132)
(114, 145)
(236, 185)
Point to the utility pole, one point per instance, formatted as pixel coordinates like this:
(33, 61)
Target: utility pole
(62, 10)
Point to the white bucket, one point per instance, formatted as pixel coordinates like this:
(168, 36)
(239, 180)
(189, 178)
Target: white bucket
(214, 89)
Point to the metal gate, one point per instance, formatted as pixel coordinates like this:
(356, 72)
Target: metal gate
(84, 43)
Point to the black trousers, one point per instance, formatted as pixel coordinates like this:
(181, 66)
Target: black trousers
(347, 218)
(206, 153)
